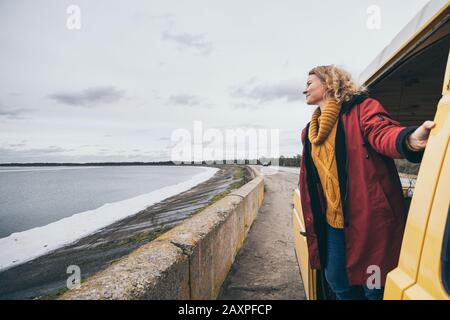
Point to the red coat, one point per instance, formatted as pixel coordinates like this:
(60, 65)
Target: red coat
(371, 192)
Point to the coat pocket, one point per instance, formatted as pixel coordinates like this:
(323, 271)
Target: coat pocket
(382, 204)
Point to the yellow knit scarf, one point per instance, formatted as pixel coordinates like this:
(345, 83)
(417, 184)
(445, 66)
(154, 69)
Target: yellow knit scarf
(322, 134)
(327, 121)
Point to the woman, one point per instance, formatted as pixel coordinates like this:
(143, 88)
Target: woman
(350, 190)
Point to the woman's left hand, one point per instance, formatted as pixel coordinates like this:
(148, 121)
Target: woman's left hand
(419, 138)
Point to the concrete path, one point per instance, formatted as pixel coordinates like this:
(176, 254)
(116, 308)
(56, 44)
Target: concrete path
(266, 266)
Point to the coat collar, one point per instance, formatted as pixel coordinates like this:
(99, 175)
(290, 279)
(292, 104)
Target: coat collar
(354, 100)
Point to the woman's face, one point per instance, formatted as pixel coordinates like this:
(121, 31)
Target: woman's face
(314, 91)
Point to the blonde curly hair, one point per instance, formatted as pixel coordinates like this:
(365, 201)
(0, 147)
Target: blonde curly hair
(338, 82)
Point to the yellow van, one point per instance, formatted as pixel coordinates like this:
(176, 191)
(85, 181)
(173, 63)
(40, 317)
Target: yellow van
(411, 78)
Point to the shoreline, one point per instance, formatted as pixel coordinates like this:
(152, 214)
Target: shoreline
(24, 246)
(45, 276)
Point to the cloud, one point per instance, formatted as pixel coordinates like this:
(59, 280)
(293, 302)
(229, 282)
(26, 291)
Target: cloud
(20, 144)
(47, 150)
(89, 97)
(248, 106)
(13, 113)
(18, 155)
(185, 99)
(196, 42)
(289, 90)
(242, 125)
(59, 154)
(77, 159)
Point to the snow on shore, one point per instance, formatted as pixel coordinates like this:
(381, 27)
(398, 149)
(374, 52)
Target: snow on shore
(27, 245)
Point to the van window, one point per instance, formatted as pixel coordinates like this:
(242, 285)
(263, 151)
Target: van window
(446, 255)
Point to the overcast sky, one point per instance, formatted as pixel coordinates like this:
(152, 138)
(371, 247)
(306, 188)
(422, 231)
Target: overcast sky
(136, 71)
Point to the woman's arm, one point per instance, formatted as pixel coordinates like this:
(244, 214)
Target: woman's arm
(388, 137)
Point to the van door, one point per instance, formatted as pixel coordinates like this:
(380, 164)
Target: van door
(433, 278)
(419, 273)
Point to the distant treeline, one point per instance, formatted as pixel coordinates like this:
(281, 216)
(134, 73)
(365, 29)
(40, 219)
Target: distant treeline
(51, 164)
(283, 161)
(290, 161)
(403, 165)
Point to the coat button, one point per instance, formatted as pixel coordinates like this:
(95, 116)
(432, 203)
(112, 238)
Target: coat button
(367, 156)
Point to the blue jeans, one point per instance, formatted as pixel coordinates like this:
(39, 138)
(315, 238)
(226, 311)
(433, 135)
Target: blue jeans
(336, 274)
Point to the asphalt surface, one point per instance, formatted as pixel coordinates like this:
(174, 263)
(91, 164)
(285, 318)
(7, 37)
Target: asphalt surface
(266, 268)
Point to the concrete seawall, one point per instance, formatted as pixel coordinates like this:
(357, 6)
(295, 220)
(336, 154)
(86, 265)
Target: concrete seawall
(190, 261)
